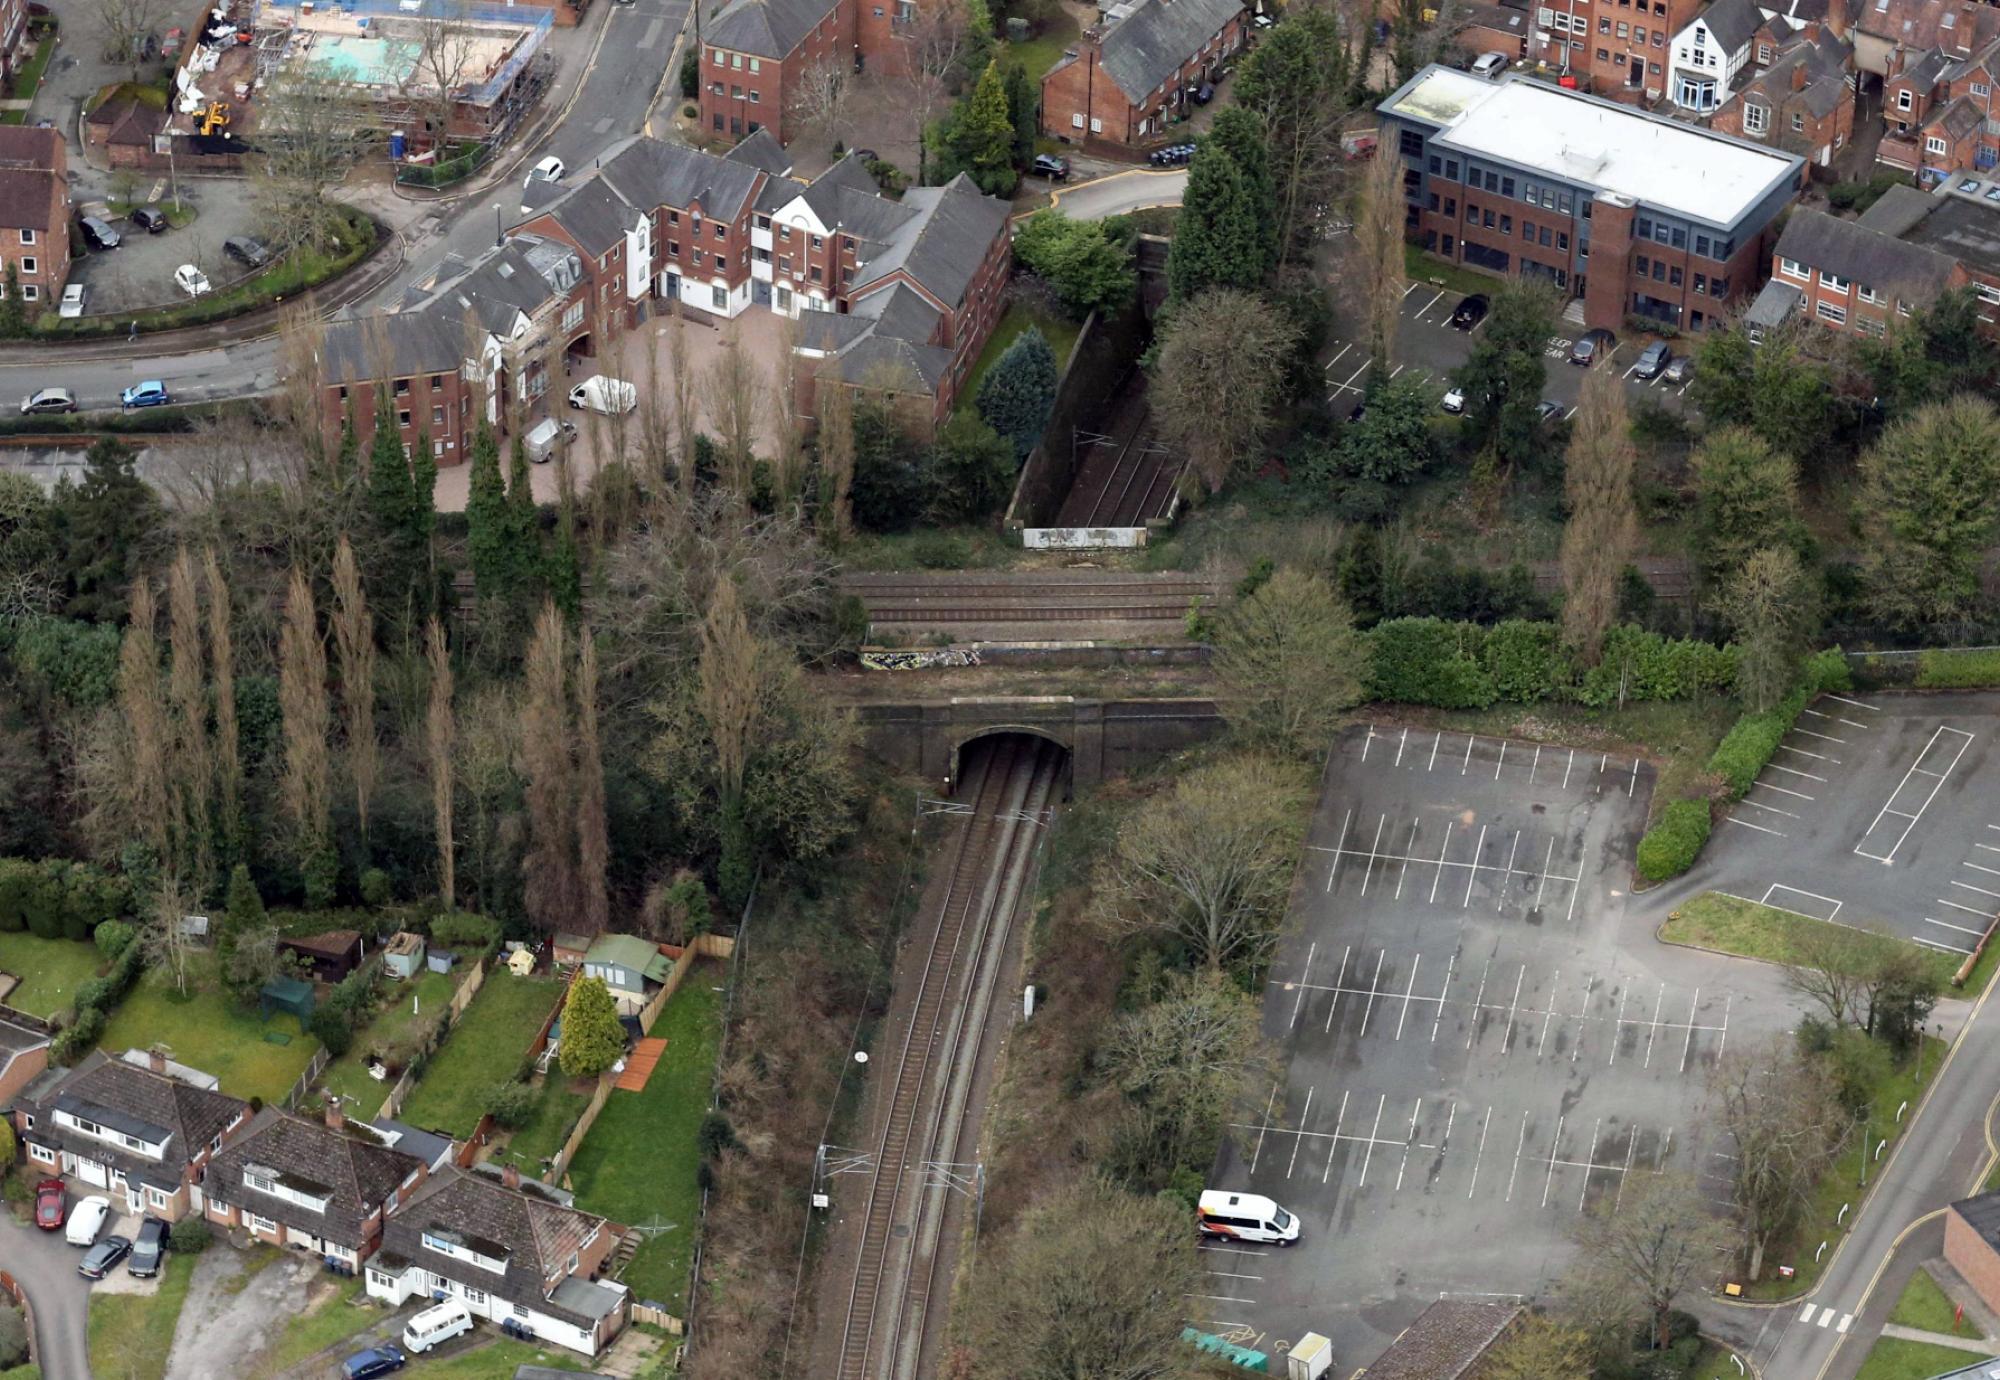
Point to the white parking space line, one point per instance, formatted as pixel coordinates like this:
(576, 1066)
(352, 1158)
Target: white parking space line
(1333, 1144)
(1374, 850)
(1275, 1088)
(1451, 965)
(1409, 849)
(1781, 790)
(1842, 699)
(1794, 771)
(1301, 1001)
(1732, 819)
(1947, 925)
(1334, 871)
(1969, 910)
(1816, 756)
(1554, 1145)
(1479, 1157)
(1369, 1155)
(1980, 889)
(1941, 948)
(1777, 887)
(1373, 987)
(1345, 347)
(1890, 856)
(1827, 737)
(1519, 1145)
(1293, 1163)
(1473, 876)
(1694, 1005)
(1770, 809)
(1409, 994)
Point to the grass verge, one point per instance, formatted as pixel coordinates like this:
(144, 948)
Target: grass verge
(407, 1003)
(484, 1048)
(497, 1361)
(1714, 1363)
(50, 971)
(204, 1031)
(1925, 1305)
(1714, 920)
(131, 1334)
(638, 1164)
(1428, 268)
(1892, 1358)
(29, 78)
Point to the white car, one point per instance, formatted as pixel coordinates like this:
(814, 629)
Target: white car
(550, 169)
(86, 1219)
(191, 280)
(72, 301)
(1454, 401)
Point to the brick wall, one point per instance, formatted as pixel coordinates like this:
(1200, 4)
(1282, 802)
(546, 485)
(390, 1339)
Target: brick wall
(438, 403)
(1967, 1252)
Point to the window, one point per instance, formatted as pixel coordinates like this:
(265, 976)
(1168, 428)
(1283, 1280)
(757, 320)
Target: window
(1827, 311)
(1639, 33)
(1451, 169)
(1763, 52)
(1701, 282)
(1506, 225)
(1096, 125)
(1756, 118)
(1624, 30)
(41, 1154)
(1659, 270)
(1410, 143)
(1792, 268)
(403, 416)
(755, 65)
(721, 298)
(1798, 122)
(263, 1224)
(1506, 186)
(1546, 237)
(1076, 122)
(1562, 241)
(1903, 99)
(1642, 265)
(1981, 90)
(1832, 282)
(1602, 54)
(1604, 23)
(28, 266)
(721, 231)
(1989, 295)
(1718, 288)
(1934, 143)
(755, 99)
(437, 415)
(1673, 277)
(736, 61)
(1869, 295)
(437, 447)
(27, 237)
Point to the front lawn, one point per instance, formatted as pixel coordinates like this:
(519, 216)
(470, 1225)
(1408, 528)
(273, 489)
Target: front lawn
(1927, 1307)
(131, 1334)
(638, 1164)
(1733, 925)
(204, 1031)
(498, 1361)
(1891, 1358)
(1429, 268)
(402, 1007)
(484, 1048)
(50, 971)
(332, 1317)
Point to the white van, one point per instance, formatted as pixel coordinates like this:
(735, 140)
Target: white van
(434, 1325)
(603, 394)
(86, 1219)
(1247, 1217)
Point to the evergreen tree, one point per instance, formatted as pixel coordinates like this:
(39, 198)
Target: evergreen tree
(1019, 391)
(389, 491)
(1024, 100)
(1241, 134)
(979, 137)
(486, 519)
(347, 460)
(592, 1038)
(565, 563)
(243, 912)
(421, 521)
(1218, 240)
(13, 312)
(101, 526)
(524, 529)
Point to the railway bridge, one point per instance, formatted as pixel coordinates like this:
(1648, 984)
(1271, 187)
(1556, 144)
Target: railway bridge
(1102, 737)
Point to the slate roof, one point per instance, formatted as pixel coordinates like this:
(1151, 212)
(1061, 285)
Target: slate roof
(1982, 1214)
(762, 150)
(1773, 306)
(846, 198)
(1145, 48)
(768, 28)
(516, 278)
(651, 172)
(134, 1101)
(593, 213)
(425, 1145)
(1923, 74)
(419, 342)
(536, 1238)
(1732, 23)
(1445, 1341)
(1960, 227)
(16, 1040)
(942, 247)
(30, 191)
(1825, 63)
(353, 1171)
(1868, 257)
(1922, 23)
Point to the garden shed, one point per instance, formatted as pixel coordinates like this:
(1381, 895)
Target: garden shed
(331, 956)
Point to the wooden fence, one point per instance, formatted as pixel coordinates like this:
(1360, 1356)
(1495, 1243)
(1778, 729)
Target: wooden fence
(11, 1287)
(460, 999)
(598, 1097)
(702, 946)
(469, 989)
(314, 1068)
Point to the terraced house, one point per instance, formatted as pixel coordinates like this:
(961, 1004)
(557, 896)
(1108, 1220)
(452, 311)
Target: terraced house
(1128, 79)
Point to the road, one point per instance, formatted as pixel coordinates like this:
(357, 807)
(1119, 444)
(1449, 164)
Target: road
(632, 49)
(46, 1268)
(1121, 194)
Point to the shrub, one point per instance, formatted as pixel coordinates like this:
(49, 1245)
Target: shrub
(13, 1336)
(332, 1028)
(1525, 660)
(79, 1038)
(463, 930)
(716, 1135)
(1641, 665)
(375, 887)
(940, 551)
(1671, 846)
(1944, 669)
(114, 937)
(1430, 661)
(190, 1236)
(509, 1104)
(74, 662)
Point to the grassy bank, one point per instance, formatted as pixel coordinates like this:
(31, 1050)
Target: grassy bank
(1926, 1307)
(1732, 925)
(131, 1334)
(1891, 1358)
(50, 971)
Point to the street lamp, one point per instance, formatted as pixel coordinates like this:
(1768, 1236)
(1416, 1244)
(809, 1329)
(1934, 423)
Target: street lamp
(498, 240)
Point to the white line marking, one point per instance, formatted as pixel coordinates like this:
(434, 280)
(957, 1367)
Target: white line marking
(1408, 994)
(1468, 756)
(1502, 760)
(1401, 743)
(1816, 756)
(1770, 809)
(1473, 876)
(1438, 1020)
(1890, 856)
(1481, 1153)
(1373, 986)
(1434, 750)
(1303, 977)
(1943, 925)
(1584, 1193)
(1566, 767)
(1341, 980)
(1344, 821)
(1827, 737)
(1519, 978)
(1333, 1143)
(1969, 910)
(1550, 1182)
(1442, 849)
(1792, 771)
(1732, 819)
(1841, 699)
(1300, 1139)
(1373, 849)
(1548, 1015)
(1781, 790)
(1518, 1145)
(1980, 889)
(1693, 1007)
(1372, 1134)
(1404, 872)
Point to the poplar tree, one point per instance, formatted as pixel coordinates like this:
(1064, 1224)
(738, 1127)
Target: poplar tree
(1603, 527)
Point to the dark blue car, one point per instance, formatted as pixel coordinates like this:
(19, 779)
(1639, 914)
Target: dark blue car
(377, 1360)
(151, 393)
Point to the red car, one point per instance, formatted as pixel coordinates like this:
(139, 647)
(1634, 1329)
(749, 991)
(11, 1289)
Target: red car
(51, 1206)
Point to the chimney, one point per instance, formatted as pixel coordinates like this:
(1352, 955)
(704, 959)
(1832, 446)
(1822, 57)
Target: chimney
(335, 1118)
(510, 1176)
(1798, 76)
(156, 1059)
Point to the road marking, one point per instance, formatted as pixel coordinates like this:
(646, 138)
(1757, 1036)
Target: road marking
(1370, 1155)
(1438, 1019)
(1502, 761)
(1800, 891)
(1473, 876)
(1585, 1193)
(1404, 1166)
(1732, 819)
(1480, 1155)
(1781, 790)
(1969, 910)
(1373, 849)
(1793, 771)
(1825, 1317)
(1341, 982)
(1566, 767)
(1478, 1003)
(1407, 851)
(1806, 1314)
(1410, 993)
(1846, 1321)
(1554, 1145)
(1518, 1146)
(1816, 756)
(1467, 765)
(1548, 1015)
(1842, 699)
(1300, 1139)
(1547, 855)
(1304, 984)
(1508, 1043)
(1434, 751)
(1508, 875)
(1980, 889)
(1582, 1012)
(1535, 765)
(1442, 848)
(1345, 819)
(1770, 809)
(1618, 1030)
(1373, 986)
(1826, 737)
(1333, 1145)
(1653, 1034)
(1693, 1007)
(1260, 1135)
(1945, 926)
(1889, 857)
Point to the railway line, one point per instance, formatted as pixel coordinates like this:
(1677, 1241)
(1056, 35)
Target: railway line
(901, 1258)
(1032, 603)
(1123, 483)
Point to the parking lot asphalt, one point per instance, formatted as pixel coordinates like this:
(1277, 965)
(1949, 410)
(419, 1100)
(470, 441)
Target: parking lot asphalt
(1429, 347)
(1481, 1041)
(139, 274)
(1876, 810)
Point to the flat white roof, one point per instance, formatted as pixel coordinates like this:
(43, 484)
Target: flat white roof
(1534, 125)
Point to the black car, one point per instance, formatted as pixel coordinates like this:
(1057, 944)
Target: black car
(1471, 311)
(1202, 94)
(246, 251)
(98, 234)
(148, 218)
(868, 155)
(1050, 166)
(98, 1261)
(1550, 411)
(149, 1250)
(377, 1360)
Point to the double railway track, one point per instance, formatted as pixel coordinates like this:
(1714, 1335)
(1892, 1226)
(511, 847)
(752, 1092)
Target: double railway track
(958, 601)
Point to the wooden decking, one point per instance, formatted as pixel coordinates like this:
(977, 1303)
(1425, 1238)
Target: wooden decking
(639, 1066)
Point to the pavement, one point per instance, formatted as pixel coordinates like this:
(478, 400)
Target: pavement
(45, 1267)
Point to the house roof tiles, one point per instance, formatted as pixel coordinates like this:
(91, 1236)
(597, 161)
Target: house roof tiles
(355, 1172)
(1149, 45)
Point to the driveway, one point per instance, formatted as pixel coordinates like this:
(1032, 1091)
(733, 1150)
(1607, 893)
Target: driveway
(1121, 195)
(227, 1318)
(46, 1268)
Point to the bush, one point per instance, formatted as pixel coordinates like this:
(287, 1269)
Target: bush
(74, 662)
(13, 1336)
(509, 1104)
(114, 937)
(190, 1236)
(460, 929)
(716, 1135)
(940, 551)
(1641, 665)
(332, 1028)
(1525, 660)
(1945, 669)
(1430, 661)
(1671, 846)
(375, 886)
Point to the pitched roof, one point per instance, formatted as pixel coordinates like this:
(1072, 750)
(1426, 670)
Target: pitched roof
(1731, 22)
(135, 1101)
(1143, 49)
(31, 193)
(630, 952)
(333, 943)
(942, 247)
(1444, 1341)
(17, 1039)
(1773, 306)
(419, 342)
(651, 172)
(516, 278)
(534, 1237)
(768, 28)
(593, 213)
(1982, 1214)
(355, 1172)
(1869, 257)
(1825, 64)
(762, 150)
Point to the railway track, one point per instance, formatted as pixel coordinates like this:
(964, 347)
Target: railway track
(896, 1265)
(907, 603)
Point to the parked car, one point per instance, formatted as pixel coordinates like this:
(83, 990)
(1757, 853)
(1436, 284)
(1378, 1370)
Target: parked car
(607, 395)
(1471, 311)
(249, 252)
(99, 1260)
(1653, 360)
(151, 393)
(1489, 65)
(1680, 369)
(1049, 166)
(51, 1204)
(1454, 400)
(377, 1360)
(48, 400)
(151, 219)
(71, 306)
(98, 234)
(1550, 411)
(550, 169)
(149, 1249)
(866, 155)
(1592, 346)
(1202, 94)
(86, 1219)
(545, 436)
(191, 280)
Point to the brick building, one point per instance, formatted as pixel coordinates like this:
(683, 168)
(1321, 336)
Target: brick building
(1495, 29)
(1615, 48)
(1799, 97)
(1126, 80)
(34, 211)
(1972, 1244)
(756, 52)
(1635, 214)
(1938, 108)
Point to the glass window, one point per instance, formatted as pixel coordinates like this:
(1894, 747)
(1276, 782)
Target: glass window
(721, 298)
(1829, 312)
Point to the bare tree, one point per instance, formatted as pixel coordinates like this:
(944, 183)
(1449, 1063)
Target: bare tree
(1219, 379)
(1603, 527)
(439, 746)
(687, 420)
(1773, 605)
(936, 38)
(1210, 861)
(1378, 236)
(553, 890)
(593, 844)
(125, 28)
(1656, 1240)
(222, 679)
(302, 701)
(301, 377)
(1539, 1349)
(1292, 662)
(354, 640)
(165, 937)
(729, 684)
(311, 130)
(447, 50)
(817, 100)
(143, 704)
(192, 772)
(788, 437)
(1829, 970)
(733, 397)
(1786, 1125)
(834, 401)
(485, 749)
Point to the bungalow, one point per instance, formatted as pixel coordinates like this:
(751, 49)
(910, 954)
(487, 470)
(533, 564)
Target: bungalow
(633, 968)
(130, 1129)
(320, 1187)
(507, 1254)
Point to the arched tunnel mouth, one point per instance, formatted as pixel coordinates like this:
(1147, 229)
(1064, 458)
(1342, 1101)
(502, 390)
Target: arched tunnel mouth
(972, 759)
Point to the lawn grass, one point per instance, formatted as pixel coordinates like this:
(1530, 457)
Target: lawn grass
(334, 1317)
(1060, 330)
(205, 1032)
(131, 1334)
(498, 1361)
(1892, 1358)
(348, 1075)
(1428, 268)
(1043, 51)
(637, 1165)
(558, 1103)
(50, 971)
(1925, 1306)
(484, 1048)
(30, 75)
(1733, 925)
(1714, 1363)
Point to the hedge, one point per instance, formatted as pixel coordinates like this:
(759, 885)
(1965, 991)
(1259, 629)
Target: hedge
(94, 1003)
(1641, 665)
(1671, 846)
(1755, 737)
(74, 662)
(1457, 665)
(57, 899)
(1945, 669)
(1430, 661)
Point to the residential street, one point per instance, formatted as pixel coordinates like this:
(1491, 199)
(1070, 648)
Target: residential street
(1121, 194)
(46, 1268)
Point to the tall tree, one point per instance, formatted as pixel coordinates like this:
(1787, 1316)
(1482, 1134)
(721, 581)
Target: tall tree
(733, 398)
(302, 702)
(524, 524)
(977, 138)
(486, 539)
(1504, 375)
(1786, 1127)
(1927, 512)
(440, 733)
(391, 495)
(1603, 527)
(835, 402)
(552, 888)
(1291, 662)
(1941, 351)
(1218, 239)
(1774, 609)
(1654, 1242)
(1088, 266)
(1219, 378)
(1746, 499)
(1024, 108)
(193, 772)
(1296, 82)
(354, 641)
(592, 1037)
(1378, 242)
(1240, 133)
(142, 702)
(101, 526)
(593, 843)
(729, 681)
(222, 679)
(1019, 391)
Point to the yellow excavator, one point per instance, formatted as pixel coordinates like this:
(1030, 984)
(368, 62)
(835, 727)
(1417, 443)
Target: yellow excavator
(213, 120)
